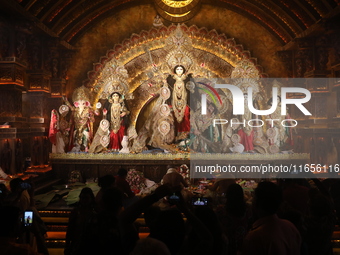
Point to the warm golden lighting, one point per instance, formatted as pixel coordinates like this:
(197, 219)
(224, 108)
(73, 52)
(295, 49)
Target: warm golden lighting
(178, 15)
(177, 4)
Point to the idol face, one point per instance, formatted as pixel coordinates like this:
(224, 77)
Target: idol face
(115, 97)
(80, 103)
(179, 70)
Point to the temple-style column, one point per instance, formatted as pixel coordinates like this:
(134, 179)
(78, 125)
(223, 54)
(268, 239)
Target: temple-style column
(13, 126)
(37, 100)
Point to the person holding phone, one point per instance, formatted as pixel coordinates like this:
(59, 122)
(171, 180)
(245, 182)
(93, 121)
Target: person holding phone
(19, 196)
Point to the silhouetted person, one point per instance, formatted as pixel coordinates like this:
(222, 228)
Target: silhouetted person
(108, 225)
(235, 217)
(165, 225)
(269, 234)
(208, 217)
(105, 182)
(10, 229)
(82, 226)
(319, 224)
(122, 184)
(174, 179)
(150, 246)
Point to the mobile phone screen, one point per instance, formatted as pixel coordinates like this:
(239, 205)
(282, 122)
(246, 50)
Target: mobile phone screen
(28, 218)
(200, 201)
(173, 199)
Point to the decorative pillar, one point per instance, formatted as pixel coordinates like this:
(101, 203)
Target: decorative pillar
(13, 125)
(37, 100)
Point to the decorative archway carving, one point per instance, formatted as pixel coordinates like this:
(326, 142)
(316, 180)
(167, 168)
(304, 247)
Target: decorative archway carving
(216, 53)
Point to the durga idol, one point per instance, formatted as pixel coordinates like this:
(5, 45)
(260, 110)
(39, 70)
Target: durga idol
(179, 99)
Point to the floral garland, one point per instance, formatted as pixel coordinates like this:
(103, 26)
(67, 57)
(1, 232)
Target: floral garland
(136, 180)
(184, 171)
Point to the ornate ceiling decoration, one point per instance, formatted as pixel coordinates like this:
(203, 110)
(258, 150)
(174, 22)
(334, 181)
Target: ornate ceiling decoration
(177, 11)
(69, 19)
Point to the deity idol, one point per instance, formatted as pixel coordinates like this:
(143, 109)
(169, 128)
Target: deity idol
(279, 135)
(113, 127)
(81, 120)
(117, 115)
(59, 129)
(179, 100)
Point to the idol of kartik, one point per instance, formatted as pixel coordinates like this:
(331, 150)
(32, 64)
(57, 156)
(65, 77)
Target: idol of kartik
(82, 118)
(59, 129)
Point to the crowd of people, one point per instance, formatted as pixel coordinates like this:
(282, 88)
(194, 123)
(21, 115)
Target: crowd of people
(19, 233)
(284, 217)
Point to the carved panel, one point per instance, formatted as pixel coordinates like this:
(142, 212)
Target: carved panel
(35, 83)
(6, 74)
(10, 103)
(46, 84)
(19, 76)
(36, 107)
(57, 87)
(88, 172)
(107, 169)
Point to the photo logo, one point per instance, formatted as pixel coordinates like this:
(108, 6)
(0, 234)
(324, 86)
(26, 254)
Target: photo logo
(238, 100)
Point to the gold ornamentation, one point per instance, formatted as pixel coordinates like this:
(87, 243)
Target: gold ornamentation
(114, 79)
(244, 83)
(190, 86)
(274, 149)
(165, 93)
(164, 128)
(245, 69)
(285, 158)
(178, 15)
(177, 4)
(165, 110)
(63, 124)
(81, 93)
(235, 138)
(116, 110)
(104, 125)
(179, 46)
(64, 109)
(105, 140)
(202, 49)
(271, 132)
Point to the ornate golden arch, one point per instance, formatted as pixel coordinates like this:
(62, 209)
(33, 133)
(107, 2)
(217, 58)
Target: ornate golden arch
(132, 61)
